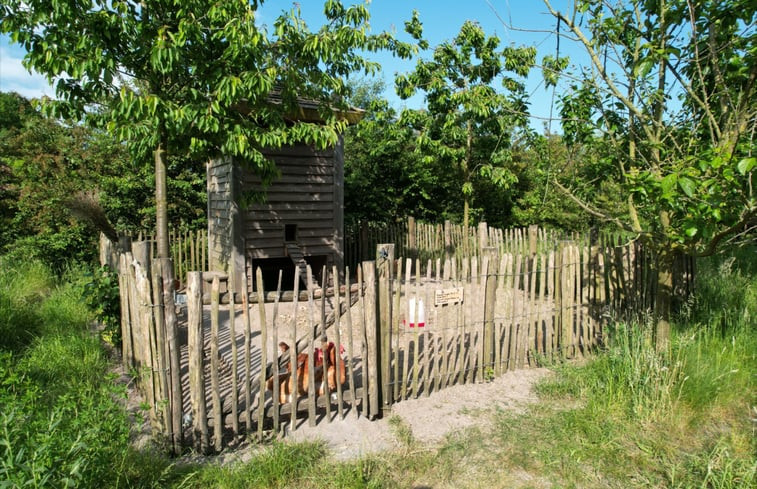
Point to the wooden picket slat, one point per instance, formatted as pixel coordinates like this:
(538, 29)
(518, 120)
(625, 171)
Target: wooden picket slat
(214, 365)
(263, 350)
(247, 388)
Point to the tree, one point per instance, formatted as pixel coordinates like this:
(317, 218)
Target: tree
(195, 76)
(669, 99)
(44, 166)
(384, 181)
(467, 125)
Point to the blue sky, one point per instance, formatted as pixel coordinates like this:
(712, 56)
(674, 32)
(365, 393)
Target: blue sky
(441, 20)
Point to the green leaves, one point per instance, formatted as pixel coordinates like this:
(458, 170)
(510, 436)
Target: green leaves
(466, 118)
(746, 165)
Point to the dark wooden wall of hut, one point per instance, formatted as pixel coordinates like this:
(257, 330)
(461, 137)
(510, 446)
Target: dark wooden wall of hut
(309, 194)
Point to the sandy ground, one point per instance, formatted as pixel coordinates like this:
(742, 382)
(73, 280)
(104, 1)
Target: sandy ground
(430, 418)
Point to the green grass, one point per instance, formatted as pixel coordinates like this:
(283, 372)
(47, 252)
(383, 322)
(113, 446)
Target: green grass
(61, 423)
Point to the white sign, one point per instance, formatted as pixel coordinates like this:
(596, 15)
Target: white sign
(448, 296)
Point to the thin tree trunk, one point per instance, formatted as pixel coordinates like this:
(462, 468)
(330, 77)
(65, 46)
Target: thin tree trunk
(663, 297)
(161, 205)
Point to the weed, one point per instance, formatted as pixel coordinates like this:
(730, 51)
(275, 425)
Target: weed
(402, 431)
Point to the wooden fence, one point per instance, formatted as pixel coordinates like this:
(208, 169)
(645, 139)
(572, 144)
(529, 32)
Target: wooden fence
(426, 241)
(408, 328)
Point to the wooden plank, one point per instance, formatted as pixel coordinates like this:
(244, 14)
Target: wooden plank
(517, 323)
(247, 392)
(428, 341)
(490, 296)
(304, 152)
(214, 366)
(507, 308)
(384, 270)
(321, 196)
(532, 311)
(263, 349)
(195, 345)
(568, 302)
(499, 303)
(463, 315)
(406, 356)
(311, 351)
(416, 335)
(234, 359)
(541, 317)
(371, 338)
(274, 360)
(585, 295)
(396, 332)
(324, 346)
(350, 344)
(174, 359)
(151, 354)
(442, 321)
(363, 345)
(552, 312)
(123, 295)
(293, 353)
(338, 339)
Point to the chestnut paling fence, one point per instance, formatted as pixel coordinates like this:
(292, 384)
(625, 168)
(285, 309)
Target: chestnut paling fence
(407, 327)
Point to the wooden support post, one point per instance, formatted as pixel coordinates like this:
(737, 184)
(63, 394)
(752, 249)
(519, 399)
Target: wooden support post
(311, 350)
(196, 371)
(483, 238)
(559, 313)
(172, 333)
(412, 243)
(372, 339)
(275, 359)
(490, 294)
(350, 341)
(338, 341)
(215, 384)
(449, 247)
(293, 351)
(247, 390)
(385, 270)
(263, 348)
(533, 239)
(234, 355)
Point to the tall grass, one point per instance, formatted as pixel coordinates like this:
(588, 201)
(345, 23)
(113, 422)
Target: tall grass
(678, 418)
(61, 424)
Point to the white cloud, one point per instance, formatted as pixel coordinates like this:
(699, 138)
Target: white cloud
(15, 78)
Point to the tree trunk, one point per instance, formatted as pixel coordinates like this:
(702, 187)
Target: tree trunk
(466, 211)
(161, 205)
(663, 298)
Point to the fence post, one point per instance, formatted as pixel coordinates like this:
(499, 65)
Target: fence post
(489, 298)
(172, 333)
(559, 340)
(196, 373)
(483, 238)
(384, 261)
(412, 243)
(449, 248)
(533, 239)
(372, 339)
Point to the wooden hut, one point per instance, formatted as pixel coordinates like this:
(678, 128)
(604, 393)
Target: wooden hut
(300, 222)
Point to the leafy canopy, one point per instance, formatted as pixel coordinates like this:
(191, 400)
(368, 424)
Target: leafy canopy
(670, 103)
(197, 73)
(468, 125)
